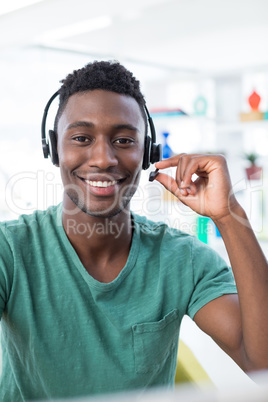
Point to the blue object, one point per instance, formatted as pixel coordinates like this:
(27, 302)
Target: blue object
(167, 151)
(202, 228)
(217, 231)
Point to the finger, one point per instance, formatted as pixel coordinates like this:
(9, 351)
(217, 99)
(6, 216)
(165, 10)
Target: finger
(174, 161)
(195, 164)
(169, 162)
(187, 165)
(170, 184)
(182, 163)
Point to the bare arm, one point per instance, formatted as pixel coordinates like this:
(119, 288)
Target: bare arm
(238, 323)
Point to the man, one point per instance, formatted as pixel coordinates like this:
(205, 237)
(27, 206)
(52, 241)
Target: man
(91, 295)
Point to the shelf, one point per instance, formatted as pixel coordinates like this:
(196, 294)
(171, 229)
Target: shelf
(241, 126)
(221, 126)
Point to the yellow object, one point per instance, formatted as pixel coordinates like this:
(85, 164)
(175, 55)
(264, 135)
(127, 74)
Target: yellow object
(168, 196)
(251, 116)
(189, 369)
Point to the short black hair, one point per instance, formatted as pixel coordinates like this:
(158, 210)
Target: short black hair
(107, 75)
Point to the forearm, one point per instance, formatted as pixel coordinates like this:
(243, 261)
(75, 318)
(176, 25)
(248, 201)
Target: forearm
(241, 329)
(250, 270)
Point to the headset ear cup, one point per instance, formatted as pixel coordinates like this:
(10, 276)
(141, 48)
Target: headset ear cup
(147, 153)
(156, 153)
(53, 148)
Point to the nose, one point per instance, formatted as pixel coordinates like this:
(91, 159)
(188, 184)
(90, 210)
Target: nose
(102, 155)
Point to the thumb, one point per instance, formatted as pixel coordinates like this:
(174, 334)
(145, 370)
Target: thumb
(170, 184)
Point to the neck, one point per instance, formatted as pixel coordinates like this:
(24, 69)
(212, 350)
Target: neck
(100, 242)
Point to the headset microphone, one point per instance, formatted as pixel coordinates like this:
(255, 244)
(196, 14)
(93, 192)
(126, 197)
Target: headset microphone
(152, 151)
(153, 175)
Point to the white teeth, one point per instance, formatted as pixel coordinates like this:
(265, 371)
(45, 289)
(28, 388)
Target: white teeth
(101, 183)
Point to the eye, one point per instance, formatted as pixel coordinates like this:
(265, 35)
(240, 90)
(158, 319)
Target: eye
(81, 138)
(124, 141)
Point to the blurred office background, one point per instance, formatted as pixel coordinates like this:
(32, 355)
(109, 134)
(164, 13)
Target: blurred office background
(203, 67)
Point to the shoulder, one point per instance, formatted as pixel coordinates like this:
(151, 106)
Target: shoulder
(163, 238)
(176, 242)
(157, 228)
(27, 225)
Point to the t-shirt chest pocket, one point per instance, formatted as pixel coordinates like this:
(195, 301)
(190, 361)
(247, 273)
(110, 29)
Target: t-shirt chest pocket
(154, 342)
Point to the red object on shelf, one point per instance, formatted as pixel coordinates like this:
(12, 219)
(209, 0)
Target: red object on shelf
(254, 172)
(254, 101)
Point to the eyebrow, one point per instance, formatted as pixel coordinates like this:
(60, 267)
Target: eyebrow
(123, 126)
(80, 124)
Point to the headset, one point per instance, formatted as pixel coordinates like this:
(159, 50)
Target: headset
(152, 151)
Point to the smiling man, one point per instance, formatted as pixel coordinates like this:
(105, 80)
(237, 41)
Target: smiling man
(100, 147)
(91, 295)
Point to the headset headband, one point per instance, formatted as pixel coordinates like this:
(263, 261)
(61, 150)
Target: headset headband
(152, 151)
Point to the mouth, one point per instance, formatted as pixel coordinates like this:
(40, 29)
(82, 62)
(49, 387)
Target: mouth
(102, 184)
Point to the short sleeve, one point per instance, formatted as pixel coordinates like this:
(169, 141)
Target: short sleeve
(6, 269)
(211, 275)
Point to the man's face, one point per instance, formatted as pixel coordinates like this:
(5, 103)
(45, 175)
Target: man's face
(100, 147)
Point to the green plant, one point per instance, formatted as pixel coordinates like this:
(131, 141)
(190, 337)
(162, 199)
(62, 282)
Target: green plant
(251, 157)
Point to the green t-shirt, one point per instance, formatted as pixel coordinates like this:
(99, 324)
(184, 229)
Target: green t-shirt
(65, 334)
